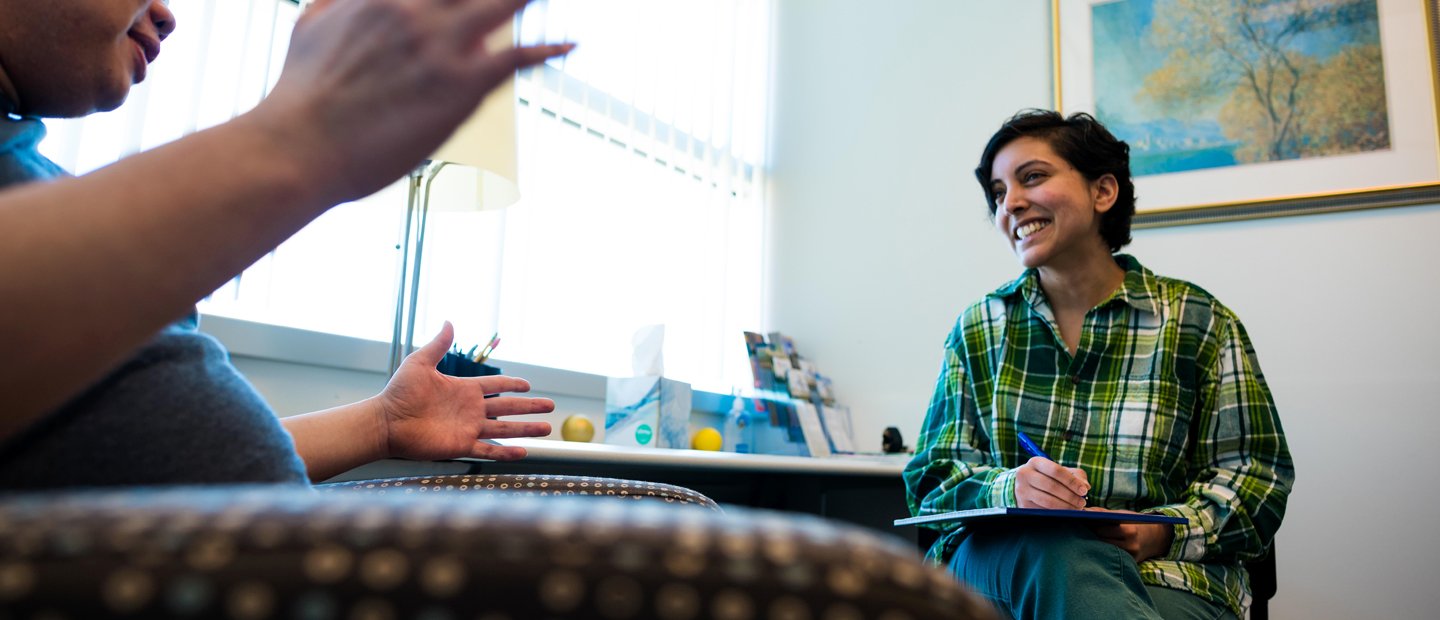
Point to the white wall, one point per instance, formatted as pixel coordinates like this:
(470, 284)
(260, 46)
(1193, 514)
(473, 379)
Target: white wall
(856, 123)
(879, 234)
(880, 238)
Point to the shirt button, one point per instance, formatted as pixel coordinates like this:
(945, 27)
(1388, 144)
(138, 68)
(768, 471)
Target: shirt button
(1069, 435)
(1075, 379)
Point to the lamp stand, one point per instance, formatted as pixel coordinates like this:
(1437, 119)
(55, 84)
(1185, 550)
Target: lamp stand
(417, 211)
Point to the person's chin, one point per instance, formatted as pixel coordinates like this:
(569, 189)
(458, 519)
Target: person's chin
(74, 99)
(106, 106)
(1030, 257)
(111, 99)
(79, 110)
(69, 109)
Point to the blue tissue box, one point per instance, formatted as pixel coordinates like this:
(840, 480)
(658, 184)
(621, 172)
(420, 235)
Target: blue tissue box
(648, 412)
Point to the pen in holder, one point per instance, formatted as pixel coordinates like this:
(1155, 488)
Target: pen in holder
(459, 365)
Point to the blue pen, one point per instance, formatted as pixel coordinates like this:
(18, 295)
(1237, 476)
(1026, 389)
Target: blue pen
(1030, 446)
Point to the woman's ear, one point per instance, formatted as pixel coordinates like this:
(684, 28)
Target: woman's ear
(1105, 191)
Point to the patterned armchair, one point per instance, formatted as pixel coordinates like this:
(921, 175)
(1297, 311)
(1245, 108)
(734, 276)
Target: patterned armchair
(539, 486)
(450, 547)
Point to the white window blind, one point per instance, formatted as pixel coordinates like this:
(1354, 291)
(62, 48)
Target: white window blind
(641, 175)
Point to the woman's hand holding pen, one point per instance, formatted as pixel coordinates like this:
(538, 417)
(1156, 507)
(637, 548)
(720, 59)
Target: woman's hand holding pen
(1043, 483)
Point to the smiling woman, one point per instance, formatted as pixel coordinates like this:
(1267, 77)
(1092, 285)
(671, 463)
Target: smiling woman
(1050, 212)
(1125, 377)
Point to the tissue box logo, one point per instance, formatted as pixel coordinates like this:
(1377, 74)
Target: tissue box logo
(650, 412)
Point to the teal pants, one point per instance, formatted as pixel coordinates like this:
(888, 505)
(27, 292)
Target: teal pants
(1067, 573)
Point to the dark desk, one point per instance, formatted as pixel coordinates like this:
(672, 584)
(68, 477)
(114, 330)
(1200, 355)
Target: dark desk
(863, 490)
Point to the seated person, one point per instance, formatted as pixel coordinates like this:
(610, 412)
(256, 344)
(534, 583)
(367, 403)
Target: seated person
(103, 385)
(1145, 391)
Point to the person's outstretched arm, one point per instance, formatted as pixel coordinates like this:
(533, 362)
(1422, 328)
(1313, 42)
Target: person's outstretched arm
(422, 415)
(95, 265)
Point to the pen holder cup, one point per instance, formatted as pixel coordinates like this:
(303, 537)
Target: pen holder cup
(457, 365)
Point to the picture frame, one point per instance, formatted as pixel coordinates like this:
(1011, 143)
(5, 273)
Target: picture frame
(1195, 156)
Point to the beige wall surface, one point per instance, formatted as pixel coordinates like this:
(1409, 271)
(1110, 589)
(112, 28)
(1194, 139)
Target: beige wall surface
(880, 238)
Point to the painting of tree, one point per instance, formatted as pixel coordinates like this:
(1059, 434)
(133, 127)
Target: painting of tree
(1207, 83)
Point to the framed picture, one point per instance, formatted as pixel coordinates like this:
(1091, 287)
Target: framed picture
(1239, 109)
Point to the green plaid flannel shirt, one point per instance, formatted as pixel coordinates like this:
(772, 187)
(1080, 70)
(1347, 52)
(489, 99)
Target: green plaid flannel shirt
(1163, 406)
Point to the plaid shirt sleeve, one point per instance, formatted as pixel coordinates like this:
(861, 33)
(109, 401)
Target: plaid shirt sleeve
(952, 468)
(1240, 463)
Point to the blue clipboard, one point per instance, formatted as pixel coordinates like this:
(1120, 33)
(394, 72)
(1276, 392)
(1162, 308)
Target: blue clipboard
(979, 515)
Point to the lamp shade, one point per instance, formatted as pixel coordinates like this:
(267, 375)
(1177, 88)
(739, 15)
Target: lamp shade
(479, 161)
(486, 143)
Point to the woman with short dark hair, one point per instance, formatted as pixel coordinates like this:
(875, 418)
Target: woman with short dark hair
(1142, 392)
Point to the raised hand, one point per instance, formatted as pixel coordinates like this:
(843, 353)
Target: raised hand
(407, 72)
(431, 416)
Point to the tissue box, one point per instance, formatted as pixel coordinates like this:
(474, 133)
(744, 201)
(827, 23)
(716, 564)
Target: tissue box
(649, 412)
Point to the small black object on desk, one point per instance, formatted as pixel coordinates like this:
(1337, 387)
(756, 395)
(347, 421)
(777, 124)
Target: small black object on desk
(891, 442)
(459, 365)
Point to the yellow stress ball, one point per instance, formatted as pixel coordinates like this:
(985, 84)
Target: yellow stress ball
(706, 439)
(577, 428)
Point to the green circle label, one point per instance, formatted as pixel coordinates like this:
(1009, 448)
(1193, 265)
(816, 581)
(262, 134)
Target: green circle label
(644, 433)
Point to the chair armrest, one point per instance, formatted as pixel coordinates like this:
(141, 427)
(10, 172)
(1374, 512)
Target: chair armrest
(528, 485)
(263, 552)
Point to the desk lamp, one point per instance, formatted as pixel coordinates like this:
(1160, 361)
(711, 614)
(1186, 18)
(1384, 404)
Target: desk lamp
(485, 145)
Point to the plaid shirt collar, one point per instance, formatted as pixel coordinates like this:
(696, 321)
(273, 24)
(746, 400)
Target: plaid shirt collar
(1139, 289)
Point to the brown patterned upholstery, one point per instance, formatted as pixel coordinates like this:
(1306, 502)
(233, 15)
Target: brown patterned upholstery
(251, 552)
(528, 485)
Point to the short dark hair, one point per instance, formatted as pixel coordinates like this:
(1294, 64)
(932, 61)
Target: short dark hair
(1085, 144)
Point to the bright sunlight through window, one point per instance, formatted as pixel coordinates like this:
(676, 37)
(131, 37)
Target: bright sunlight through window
(641, 174)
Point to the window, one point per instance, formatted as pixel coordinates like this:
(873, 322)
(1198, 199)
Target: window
(642, 176)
